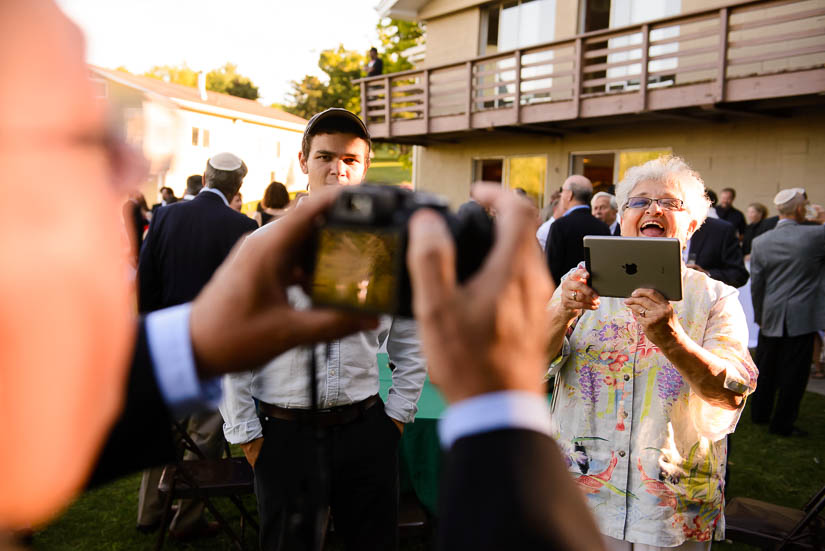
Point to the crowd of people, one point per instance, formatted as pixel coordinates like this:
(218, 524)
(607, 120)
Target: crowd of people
(630, 455)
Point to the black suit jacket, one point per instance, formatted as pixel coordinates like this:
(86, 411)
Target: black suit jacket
(186, 243)
(717, 250)
(510, 489)
(734, 216)
(142, 435)
(564, 244)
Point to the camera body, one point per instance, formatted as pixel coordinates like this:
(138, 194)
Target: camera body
(359, 261)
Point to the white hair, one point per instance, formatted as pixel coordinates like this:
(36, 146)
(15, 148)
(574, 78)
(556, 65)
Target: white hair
(613, 204)
(668, 169)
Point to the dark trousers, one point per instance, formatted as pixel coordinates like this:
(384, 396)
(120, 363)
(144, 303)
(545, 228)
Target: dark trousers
(362, 489)
(784, 365)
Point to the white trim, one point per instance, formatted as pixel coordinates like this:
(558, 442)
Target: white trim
(203, 107)
(233, 114)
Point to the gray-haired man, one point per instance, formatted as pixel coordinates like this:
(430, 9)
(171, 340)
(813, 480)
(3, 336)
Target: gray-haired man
(787, 271)
(605, 208)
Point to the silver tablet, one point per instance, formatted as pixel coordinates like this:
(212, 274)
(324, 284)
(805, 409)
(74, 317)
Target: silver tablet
(620, 265)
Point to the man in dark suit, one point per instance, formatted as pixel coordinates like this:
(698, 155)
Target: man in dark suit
(727, 212)
(186, 243)
(189, 240)
(714, 249)
(605, 208)
(167, 197)
(788, 291)
(564, 244)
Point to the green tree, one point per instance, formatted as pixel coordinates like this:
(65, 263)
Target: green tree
(396, 37)
(225, 79)
(311, 95)
(176, 75)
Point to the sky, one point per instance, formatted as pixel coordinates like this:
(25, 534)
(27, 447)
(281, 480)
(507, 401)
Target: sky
(271, 41)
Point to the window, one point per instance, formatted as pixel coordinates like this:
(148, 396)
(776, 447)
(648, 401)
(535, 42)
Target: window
(488, 170)
(607, 168)
(526, 172)
(529, 174)
(204, 137)
(515, 24)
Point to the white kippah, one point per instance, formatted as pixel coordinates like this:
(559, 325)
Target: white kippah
(225, 161)
(786, 195)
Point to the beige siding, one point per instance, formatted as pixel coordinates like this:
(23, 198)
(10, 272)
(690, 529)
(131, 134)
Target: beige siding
(453, 38)
(756, 157)
(567, 19)
(439, 8)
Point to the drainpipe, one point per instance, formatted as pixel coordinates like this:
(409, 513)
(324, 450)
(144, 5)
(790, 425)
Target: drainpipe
(202, 85)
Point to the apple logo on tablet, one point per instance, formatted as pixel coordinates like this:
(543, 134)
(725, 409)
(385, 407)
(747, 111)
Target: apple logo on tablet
(630, 269)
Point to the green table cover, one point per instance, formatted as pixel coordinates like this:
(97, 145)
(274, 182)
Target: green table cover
(419, 451)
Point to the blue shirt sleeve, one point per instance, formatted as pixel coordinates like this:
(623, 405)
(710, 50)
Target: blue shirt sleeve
(173, 362)
(494, 411)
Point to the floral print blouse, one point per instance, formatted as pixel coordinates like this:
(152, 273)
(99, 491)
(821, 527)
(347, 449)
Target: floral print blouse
(646, 450)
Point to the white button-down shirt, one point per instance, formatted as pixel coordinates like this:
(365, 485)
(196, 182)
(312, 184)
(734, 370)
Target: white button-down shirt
(346, 372)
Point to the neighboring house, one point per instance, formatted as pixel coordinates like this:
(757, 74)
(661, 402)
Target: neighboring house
(267, 139)
(528, 92)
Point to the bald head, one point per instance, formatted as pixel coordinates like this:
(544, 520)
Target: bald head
(576, 190)
(53, 147)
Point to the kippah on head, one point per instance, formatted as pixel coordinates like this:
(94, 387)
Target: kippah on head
(225, 161)
(786, 195)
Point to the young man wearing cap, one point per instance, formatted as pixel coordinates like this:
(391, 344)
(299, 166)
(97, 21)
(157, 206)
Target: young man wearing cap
(787, 271)
(361, 433)
(186, 243)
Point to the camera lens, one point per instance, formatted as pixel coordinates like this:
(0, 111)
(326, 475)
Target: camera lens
(360, 205)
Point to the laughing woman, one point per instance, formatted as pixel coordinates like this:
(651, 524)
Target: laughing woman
(648, 389)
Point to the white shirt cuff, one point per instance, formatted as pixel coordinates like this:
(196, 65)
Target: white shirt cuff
(494, 411)
(173, 361)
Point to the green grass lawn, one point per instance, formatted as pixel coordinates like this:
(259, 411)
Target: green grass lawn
(387, 171)
(786, 471)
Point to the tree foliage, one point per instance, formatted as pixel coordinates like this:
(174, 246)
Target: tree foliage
(396, 37)
(311, 94)
(224, 79)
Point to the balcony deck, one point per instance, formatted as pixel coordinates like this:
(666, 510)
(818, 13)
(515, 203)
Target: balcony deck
(745, 58)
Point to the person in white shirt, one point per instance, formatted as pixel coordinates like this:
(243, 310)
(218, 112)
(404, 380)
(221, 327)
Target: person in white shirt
(363, 433)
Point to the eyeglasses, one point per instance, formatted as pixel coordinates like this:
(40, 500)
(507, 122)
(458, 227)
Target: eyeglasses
(665, 203)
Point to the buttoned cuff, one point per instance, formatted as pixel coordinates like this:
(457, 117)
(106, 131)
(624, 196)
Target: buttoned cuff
(173, 361)
(399, 408)
(243, 432)
(495, 411)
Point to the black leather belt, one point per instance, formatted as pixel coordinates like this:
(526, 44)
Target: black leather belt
(338, 415)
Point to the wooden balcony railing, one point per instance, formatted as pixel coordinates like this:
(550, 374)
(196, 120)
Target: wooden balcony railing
(751, 50)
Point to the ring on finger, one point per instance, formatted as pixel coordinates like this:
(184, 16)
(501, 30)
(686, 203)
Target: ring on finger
(574, 296)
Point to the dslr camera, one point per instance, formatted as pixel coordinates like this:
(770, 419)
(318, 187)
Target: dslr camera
(359, 261)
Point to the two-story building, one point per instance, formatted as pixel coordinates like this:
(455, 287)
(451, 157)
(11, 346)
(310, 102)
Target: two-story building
(205, 123)
(526, 92)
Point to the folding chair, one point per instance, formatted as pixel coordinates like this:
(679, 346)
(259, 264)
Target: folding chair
(204, 479)
(775, 527)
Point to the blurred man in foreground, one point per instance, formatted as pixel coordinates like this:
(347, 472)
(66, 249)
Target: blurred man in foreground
(505, 485)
